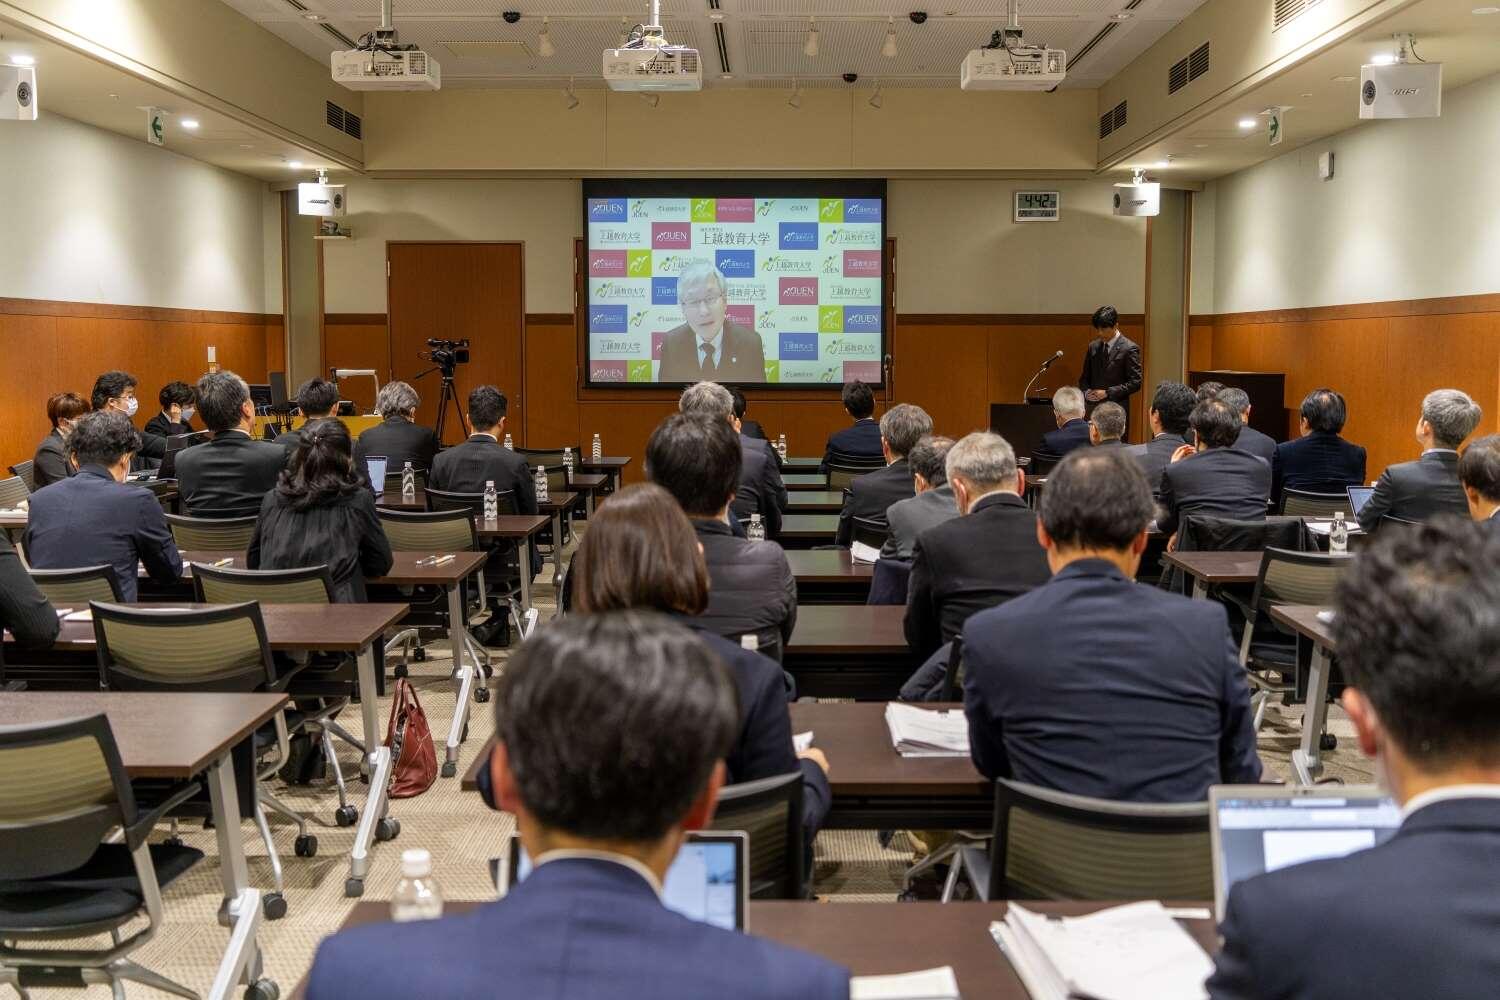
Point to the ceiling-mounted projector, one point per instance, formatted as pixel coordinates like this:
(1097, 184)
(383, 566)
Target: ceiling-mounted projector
(322, 198)
(1139, 197)
(647, 62)
(17, 94)
(381, 62)
(1402, 89)
(1008, 63)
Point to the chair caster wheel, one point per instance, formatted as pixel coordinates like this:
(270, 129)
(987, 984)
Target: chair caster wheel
(1328, 741)
(419, 655)
(354, 887)
(273, 905)
(305, 846)
(172, 842)
(387, 829)
(346, 815)
(400, 670)
(449, 769)
(481, 695)
(263, 989)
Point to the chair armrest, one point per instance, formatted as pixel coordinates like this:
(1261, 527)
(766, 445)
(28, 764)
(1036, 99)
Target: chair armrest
(14, 686)
(284, 678)
(137, 832)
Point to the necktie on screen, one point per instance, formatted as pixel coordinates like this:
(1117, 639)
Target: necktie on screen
(708, 359)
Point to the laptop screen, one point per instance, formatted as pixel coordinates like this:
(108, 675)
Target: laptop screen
(376, 466)
(1359, 496)
(707, 881)
(1259, 829)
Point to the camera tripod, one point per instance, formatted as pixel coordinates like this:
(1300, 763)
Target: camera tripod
(447, 394)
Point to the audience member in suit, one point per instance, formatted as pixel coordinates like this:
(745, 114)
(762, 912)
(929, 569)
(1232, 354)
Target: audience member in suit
(24, 610)
(761, 489)
(1209, 390)
(986, 557)
(230, 475)
(871, 495)
(751, 590)
(1415, 916)
(1112, 370)
(862, 438)
(1251, 440)
(398, 437)
(601, 808)
(1072, 425)
(482, 459)
(1417, 491)
(1107, 426)
(1479, 474)
(321, 512)
(93, 518)
(1171, 407)
(176, 416)
(51, 461)
(1215, 478)
(1094, 685)
(932, 505)
(316, 398)
(641, 552)
(1319, 461)
(749, 428)
(115, 390)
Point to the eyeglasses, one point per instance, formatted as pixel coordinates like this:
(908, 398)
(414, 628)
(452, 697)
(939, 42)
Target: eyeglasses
(711, 301)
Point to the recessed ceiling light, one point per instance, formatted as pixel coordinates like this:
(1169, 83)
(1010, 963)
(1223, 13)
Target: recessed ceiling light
(1487, 10)
(726, 76)
(1345, 79)
(1123, 15)
(17, 59)
(716, 15)
(246, 145)
(1305, 96)
(313, 17)
(294, 164)
(1247, 123)
(1200, 145)
(1383, 59)
(189, 123)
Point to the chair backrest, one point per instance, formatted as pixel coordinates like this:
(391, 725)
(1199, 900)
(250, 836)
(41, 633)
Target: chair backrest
(429, 531)
(865, 462)
(26, 472)
(1209, 533)
(222, 585)
(76, 587)
(769, 810)
(953, 677)
(870, 531)
(209, 649)
(230, 534)
(13, 491)
(543, 456)
(472, 503)
(1053, 845)
(842, 477)
(1301, 503)
(557, 477)
(1288, 577)
(393, 480)
(62, 789)
(1041, 463)
(1393, 524)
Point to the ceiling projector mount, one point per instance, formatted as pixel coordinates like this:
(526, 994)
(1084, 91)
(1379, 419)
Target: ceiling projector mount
(648, 62)
(380, 62)
(1008, 63)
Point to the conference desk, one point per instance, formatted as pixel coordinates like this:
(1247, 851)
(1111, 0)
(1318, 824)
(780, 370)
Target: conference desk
(357, 424)
(805, 481)
(591, 485)
(803, 531)
(612, 466)
(179, 736)
(849, 651)
(801, 463)
(829, 576)
(876, 939)
(1303, 619)
(1211, 569)
(814, 501)
(555, 506)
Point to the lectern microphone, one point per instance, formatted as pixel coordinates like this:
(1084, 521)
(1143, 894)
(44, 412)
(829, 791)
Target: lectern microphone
(1045, 365)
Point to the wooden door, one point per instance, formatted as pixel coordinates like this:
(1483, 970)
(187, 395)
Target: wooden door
(451, 291)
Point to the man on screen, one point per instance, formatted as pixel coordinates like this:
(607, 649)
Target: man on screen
(708, 347)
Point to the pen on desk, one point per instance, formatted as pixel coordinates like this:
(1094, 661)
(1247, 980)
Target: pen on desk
(442, 559)
(227, 561)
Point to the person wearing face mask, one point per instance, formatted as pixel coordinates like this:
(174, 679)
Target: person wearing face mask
(115, 390)
(94, 517)
(51, 461)
(176, 414)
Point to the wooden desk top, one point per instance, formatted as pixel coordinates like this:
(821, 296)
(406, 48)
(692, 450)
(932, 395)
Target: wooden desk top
(805, 481)
(512, 526)
(848, 628)
(606, 462)
(589, 481)
(1303, 619)
(802, 463)
(857, 741)
(558, 501)
(290, 628)
(1217, 567)
(827, 566)
(820, 526)
(814, 501)
(160, 734)
(395, 500)
(404, 568)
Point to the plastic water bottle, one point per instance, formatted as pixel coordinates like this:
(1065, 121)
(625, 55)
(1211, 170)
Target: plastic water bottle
(781, 446)
(417, 896)
(598, 449)
(1338, 535)
(568, 462)
(491, 501)
(509, 444)
(540, 479)
(756, 532)
(408, 482)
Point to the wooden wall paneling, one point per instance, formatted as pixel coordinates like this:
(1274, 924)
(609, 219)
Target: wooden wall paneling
(943, 369)
(275, 334)
(29, 374)
(551, 387)
(624, 428)
(357, 340)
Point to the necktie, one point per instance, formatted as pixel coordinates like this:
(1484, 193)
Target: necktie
(708, 359)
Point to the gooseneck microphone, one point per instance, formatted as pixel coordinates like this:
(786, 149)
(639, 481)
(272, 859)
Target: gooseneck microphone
(1045, 365)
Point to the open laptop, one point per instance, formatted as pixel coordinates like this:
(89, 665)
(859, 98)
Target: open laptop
(708, 881)
(1358, 497)
(1260, 828)
(175, 444)
(375, 466)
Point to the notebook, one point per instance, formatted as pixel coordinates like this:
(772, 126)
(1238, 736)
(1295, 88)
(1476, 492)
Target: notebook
(925, 732)
(1260, 828)
(375, 464)
(1359, 496)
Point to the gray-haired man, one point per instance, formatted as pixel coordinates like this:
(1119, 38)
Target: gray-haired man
(708, 346)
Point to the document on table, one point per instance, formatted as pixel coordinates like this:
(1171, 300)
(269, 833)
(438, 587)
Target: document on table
(1131, 952)
(802, 741)
(862, 553)
(929, 984)
(925, 732)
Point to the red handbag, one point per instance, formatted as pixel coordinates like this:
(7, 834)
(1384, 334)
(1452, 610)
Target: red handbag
(415, 765)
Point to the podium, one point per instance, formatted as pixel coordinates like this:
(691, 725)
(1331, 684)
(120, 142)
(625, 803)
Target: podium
(1023, 424)
(1267, 392)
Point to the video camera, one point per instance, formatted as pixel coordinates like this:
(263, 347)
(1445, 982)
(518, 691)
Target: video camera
(447, 354)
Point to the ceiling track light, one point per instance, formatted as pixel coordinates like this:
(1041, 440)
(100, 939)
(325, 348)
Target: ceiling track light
(876, 100)
(544, 42)
(889, 48)
(795, 101)
(652, 99)
(810, 47)
(568, 96)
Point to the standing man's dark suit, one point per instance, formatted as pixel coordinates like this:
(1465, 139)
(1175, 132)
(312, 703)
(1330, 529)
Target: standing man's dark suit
(862, 439)
(1113, 365)
(740, 356)
(1258, 444)
(50, 463)
(1155, 455)
(1317, 462)
(1221, 481)
(1410, 919)
(228, 476)
(465, 468)
(400, 441)
(1417, 491)
(761, 490)
(1073, 434)
(90, 520)
(872, 494)
(1096, 685)
(968, 564)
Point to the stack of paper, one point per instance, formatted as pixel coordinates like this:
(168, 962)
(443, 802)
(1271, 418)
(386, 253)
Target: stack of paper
(1131, 952)
(862, 553)
(930, 984)
(922, 732)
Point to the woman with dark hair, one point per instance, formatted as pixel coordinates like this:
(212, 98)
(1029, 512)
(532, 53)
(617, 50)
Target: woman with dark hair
(641, 552)
(176, 399)
(51, 461)
(321, 513)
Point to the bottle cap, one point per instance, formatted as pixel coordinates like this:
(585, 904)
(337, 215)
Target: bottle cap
(416, 862)
(489, 484)
(1339, 514)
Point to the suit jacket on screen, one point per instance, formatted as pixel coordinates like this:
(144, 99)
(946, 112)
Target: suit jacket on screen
(742, 356)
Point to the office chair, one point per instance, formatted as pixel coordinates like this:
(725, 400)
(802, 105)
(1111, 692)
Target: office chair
(211, 649)
(473, 503)
(1389, 521)
(1301, 503)
(848, 461)
(230, 534)
(1210, 533)
(13, 491)
(63, 791)
(544, 456)
(870, 531)
(76, 587)
(393, 481)
(953, 678)
(26, 472)
(842, 476)
(1052, 845)
(769, 810)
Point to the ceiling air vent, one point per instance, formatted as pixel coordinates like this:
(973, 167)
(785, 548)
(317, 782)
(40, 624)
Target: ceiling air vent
(1119, 114)
(1198, 62)
(1187, 69)
(1106, 124)
(1177, 76)
(1286, 11)
(346, 122)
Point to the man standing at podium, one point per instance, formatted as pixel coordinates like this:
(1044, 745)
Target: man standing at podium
(1112, 367)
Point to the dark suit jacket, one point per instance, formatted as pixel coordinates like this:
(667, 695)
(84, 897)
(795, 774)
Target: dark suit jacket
(1222, 482)
(400, 441)
(90, 520)
(465, 468)
(159, 424)
(1155, 455)
(1120, 373)
(345, 535)
(23, 609)
(907, 520)
(872, 494)
(1258, 444)
(750, 587)
(1073, 434)
(579, 928)
(289, 440)
(1096, 685)
(860, 438)
(50, 463)
(968, 564)
(752, 429)
(761, 490)
(1417, 491)
(228, 476)
(1317, 463)
(1409, 919)
(742, 357)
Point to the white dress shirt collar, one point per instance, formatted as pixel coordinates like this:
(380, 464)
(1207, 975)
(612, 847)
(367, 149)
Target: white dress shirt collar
(1440, 451)
(1446, 794)
(617, 859)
